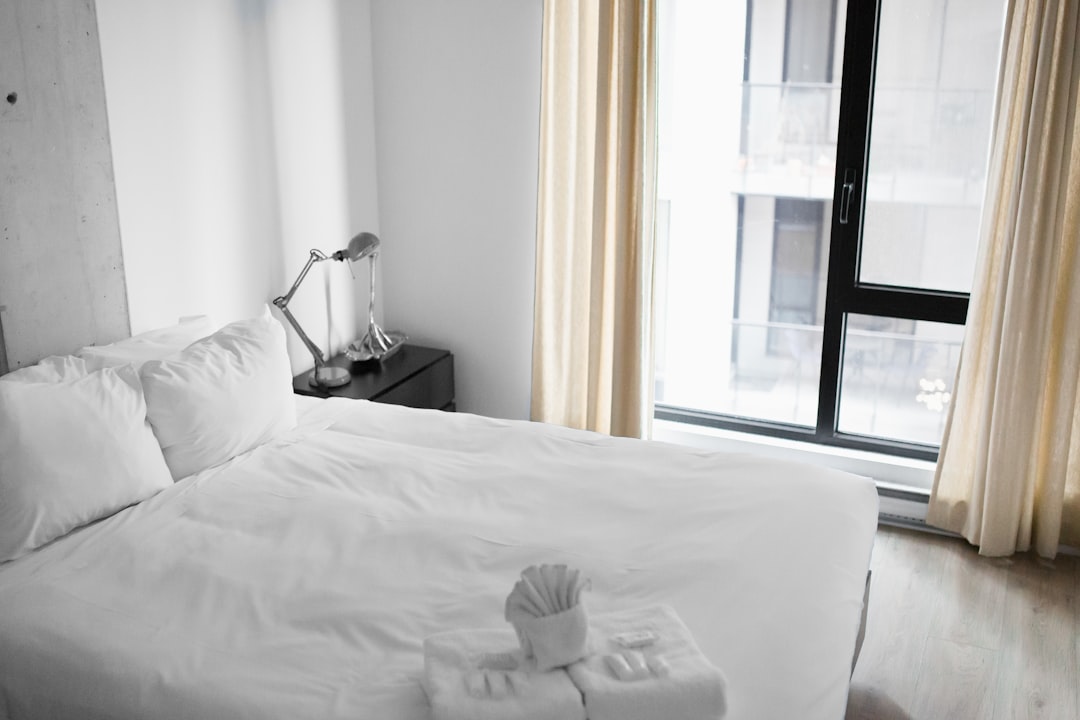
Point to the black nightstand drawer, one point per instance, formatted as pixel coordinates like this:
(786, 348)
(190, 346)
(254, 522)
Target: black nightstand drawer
(416, 376)
(432, 387)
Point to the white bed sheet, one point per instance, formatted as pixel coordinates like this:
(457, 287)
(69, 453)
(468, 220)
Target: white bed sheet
(299, 580)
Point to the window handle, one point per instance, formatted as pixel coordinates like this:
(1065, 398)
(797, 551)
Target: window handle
(845, 194)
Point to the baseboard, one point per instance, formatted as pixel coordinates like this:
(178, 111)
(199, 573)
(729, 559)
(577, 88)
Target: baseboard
(902, 506)
(906, 508)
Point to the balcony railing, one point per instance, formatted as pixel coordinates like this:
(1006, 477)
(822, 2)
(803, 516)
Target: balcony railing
(928, 145)
(895, 384)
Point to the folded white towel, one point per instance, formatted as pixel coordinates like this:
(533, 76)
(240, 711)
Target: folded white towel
(644, 664)
(484, 675)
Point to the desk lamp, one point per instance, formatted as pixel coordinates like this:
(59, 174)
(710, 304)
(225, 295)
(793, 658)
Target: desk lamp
(363, 245)
(377, 344)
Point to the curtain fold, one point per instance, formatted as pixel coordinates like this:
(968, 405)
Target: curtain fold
(1008, 476)
(592, 333)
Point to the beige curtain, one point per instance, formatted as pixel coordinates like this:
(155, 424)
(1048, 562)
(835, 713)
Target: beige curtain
(592, 334)
(1008, 477)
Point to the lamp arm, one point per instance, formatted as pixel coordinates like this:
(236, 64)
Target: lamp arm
(282, 304)
(313, 257)
(312, 347)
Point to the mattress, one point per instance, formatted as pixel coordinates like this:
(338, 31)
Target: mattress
(299, 579)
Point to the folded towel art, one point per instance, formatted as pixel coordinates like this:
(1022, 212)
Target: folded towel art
(560, 664)
(545, 609)
(643, 664)
(484, 675)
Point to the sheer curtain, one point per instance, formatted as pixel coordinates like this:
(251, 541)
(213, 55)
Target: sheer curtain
(1008, 477)
(592, 336)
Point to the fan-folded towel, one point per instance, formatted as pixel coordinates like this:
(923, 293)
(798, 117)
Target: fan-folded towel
(643, 664)
(546, 611)
(484, 675)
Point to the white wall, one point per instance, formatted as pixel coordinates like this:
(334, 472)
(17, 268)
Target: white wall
(193, 153)
(236, 137)
(246, 132)
(322, 200)
(457, 103)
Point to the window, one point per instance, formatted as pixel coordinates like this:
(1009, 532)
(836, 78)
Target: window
(822, 166)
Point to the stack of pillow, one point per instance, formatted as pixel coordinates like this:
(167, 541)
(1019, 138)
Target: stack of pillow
(84, 436)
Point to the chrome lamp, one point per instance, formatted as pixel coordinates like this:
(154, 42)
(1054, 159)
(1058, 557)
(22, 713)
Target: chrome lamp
(363, 245)
(377, 344)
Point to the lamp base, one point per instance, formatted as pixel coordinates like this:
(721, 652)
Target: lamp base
(377, 344)
(329, 376)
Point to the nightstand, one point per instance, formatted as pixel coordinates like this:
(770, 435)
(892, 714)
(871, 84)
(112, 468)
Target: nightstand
(415, 376)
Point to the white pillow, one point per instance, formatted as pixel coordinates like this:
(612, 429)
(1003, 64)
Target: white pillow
(53, 369)
(71, 453)
(221, 396)
(150, 345)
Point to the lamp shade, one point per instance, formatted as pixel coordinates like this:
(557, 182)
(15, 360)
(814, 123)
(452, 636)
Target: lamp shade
(359, 247)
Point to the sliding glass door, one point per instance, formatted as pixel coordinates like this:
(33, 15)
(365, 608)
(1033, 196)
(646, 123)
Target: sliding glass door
(822, 166)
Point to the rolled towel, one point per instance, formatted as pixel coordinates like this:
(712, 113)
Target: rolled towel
(644, 664)
(484, 675)
(546, 611)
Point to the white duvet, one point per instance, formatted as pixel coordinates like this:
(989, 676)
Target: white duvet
(299, 580)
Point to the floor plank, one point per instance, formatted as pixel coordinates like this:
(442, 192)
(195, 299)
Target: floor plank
(1037, 672)
(1076, 633)
(951, 634)
(956, 681)
(971, 602)
(902, 572)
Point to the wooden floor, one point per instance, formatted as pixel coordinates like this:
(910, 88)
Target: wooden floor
(951, 634)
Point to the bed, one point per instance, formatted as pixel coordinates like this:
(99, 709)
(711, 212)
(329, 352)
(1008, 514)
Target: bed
(299, 577)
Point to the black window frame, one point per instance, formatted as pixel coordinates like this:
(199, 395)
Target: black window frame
(845, 293)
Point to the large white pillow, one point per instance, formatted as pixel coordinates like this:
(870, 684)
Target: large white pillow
(221, 396)
(71, 453)
(150, 345)
(53, 369)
